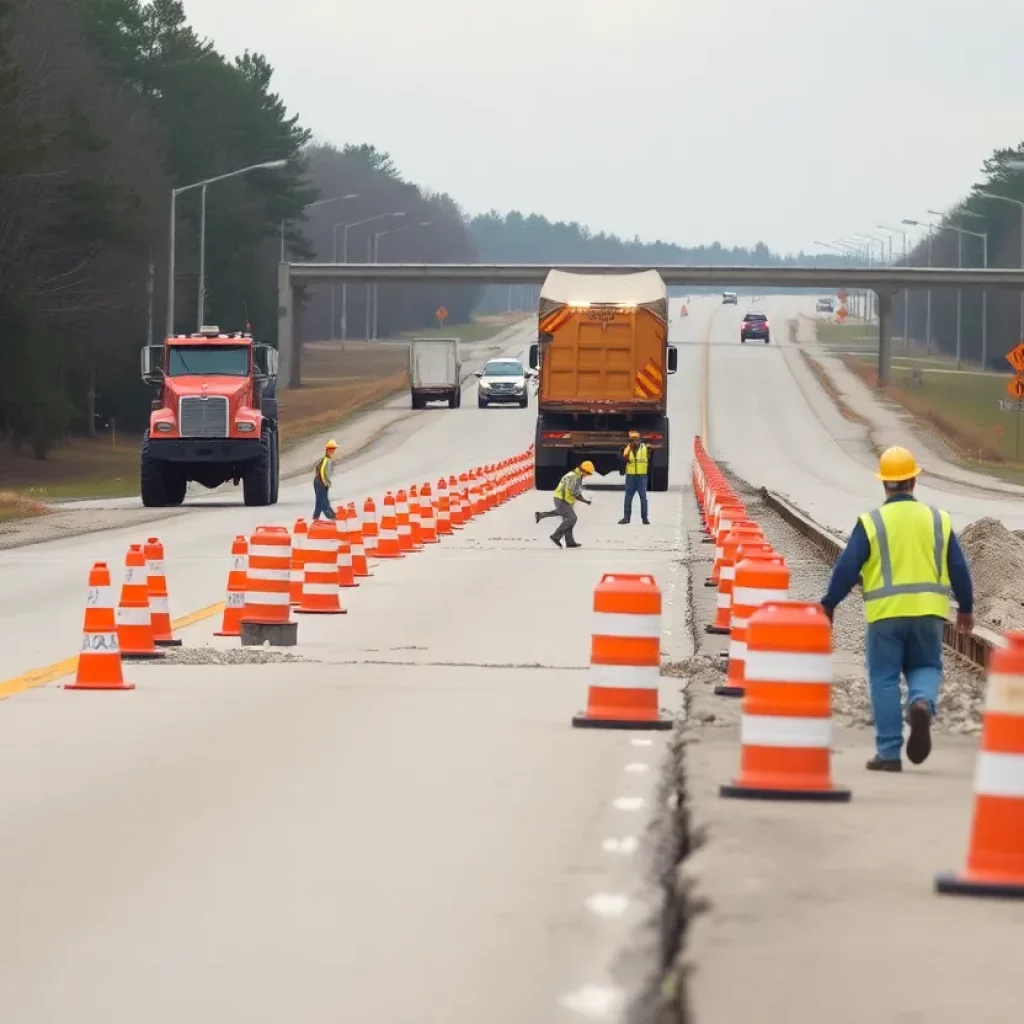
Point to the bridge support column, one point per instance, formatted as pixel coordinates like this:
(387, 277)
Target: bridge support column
(884, 338)
(285, 325)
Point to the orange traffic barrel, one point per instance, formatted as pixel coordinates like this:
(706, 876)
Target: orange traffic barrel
(346, 576)
(428, 524)
(762, 576)
(786, 726)
(320, 594)
(99, 661)
(388, 545)
(444, 509)
(159, 598)
(415, 513)
(370, 531)
(477, 498)
(297, 573)
(268, 579)
(234, 601)
(360, 566)
(741, 533)
(995, 851)
(458, 515)
(465, 497)
(730, 516)
(405, 541)
(625, 655)
(134, 621)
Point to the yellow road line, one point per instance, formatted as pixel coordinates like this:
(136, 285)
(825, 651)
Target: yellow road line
(51, 673)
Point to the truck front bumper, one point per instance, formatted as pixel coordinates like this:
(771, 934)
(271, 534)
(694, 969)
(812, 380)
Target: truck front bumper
(196, 449)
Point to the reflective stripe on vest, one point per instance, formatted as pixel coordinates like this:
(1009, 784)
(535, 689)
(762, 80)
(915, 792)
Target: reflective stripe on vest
(636, 462)
(907, 571)
(562, 491)
(320, 473)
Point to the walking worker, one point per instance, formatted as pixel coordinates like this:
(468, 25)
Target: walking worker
(567, 493)
(637, 459)
(908, 559)
(322, 483)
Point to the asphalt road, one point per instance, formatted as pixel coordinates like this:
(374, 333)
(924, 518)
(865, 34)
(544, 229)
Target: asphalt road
(404, 828)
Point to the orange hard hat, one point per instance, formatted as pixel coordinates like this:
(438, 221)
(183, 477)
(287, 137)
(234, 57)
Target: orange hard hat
(587, 467)
(331, 445)
(897, 465)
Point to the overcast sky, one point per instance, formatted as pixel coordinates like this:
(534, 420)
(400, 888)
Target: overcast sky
(689, 120)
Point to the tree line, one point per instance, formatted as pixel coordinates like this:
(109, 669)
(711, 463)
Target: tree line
(990, 324)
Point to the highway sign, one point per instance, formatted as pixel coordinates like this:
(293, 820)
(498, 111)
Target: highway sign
(441, 314)
(1015, 388)
(1015, 357)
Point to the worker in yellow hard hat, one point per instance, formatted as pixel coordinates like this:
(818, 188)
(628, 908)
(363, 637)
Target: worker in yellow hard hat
(567, 493)
(637, 459)
(322, 482)
(908, 560)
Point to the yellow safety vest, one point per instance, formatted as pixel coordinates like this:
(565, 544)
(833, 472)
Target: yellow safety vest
(323, 471)
(907, 572)
(636, 462)
(562, 491)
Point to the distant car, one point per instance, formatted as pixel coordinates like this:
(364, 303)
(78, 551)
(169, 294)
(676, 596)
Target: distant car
(755, 327)
(503, 380)
(825, 306)
(730, 299)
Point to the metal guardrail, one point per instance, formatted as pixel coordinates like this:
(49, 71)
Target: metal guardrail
(975, 646)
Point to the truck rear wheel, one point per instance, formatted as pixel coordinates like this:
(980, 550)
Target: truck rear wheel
(160, 483)
(455, 402)
(256, 480)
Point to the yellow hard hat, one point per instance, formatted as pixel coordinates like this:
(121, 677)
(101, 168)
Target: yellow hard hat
(587, 467)
(897, 465)
(634, 434)
(331, 444)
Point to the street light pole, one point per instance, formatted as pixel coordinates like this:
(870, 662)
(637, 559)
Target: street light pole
(1020, 206)
(344, 259)
(310, 206)
(378, 235)
(267, 165)
(906, 291)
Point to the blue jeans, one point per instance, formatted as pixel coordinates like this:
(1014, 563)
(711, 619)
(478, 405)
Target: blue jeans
(911, 647)
(321, 502)
(635, 484)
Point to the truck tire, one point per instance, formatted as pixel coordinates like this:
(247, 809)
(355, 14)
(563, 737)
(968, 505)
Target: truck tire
(524, 401)
(546, 478)
(481, 402)
(256, 480)
(456, 400)
(161, 484)
(175, 484)
(660, 461)
(275, 478)
(417, 402)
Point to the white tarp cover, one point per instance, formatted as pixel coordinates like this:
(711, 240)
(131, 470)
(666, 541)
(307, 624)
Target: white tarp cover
(646, 290)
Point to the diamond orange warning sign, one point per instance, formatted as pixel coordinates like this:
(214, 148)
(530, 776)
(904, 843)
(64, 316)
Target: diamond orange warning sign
(1015, 357)
(1015, 388)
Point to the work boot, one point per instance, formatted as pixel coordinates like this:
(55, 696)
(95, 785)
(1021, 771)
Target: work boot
(573, 544)
(557, 540)
(919, 743)
(879, 764)
(646, 522)
(536, 518)
(623, 522)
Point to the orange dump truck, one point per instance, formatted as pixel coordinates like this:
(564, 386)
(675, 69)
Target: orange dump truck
(603, 355)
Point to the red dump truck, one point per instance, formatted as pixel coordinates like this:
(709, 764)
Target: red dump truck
(603, 355)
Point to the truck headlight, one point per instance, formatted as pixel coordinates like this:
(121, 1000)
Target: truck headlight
(245, 427)
(164, 427)
(484, 386)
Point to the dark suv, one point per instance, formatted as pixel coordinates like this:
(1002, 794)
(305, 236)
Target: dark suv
(755, 326)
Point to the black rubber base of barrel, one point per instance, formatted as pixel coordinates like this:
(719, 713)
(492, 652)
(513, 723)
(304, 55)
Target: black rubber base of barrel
(729, 691)
(167, 643)
(148, 655)
(800, 795)
(716, 630)
(581, 721)
(951, 885)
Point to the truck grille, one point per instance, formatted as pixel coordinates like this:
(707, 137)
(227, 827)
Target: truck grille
(203, 417)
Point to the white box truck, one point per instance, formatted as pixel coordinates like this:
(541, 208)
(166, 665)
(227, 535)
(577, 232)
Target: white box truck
(435, 372)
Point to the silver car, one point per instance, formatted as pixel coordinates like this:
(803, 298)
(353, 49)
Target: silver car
(502, 380)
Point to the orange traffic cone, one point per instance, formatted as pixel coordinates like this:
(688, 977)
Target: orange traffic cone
(159, 600)
(234, 602)
(729, 516)
(741, 533)
(995, 852)
(405, 542)
(466, 497)
(99, 662)
(762, 576)
(428, 525)
(268, 579)
(388, 545)
(786, 729)
(134, 622)
(320, 579)
(415, 524)
(625, 656)
(360, 566)
(370, 530)
(458, 511)
(444, 510)
(343, 553)
(298, 567)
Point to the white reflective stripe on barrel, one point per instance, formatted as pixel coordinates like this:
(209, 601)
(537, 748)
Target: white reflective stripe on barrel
(235, 599)
(1005, 694)
(135, 574)
(270, 575)
(158, 604)
(155, 568)
(784, 667)
(319, 589)
(999, 775)
(96, 643)
(724, 599)
(100, 597)
(133, 616)
(624, 624)
(779, 731)
(754, 597)
(322, 544)
(728, 572)
(737, 650)
(625, 677)
(266, 597)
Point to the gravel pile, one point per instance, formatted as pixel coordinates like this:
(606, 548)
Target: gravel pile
(228, 656)
(996, 557)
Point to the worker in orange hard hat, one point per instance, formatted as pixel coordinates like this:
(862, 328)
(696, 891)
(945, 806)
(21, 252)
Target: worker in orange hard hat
(322, 482)
(908, 560)
(567, 493)
(637, 459)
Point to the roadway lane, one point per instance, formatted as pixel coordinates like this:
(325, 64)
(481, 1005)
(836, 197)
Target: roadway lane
(771, 421)
(42, 587)
(404, 828)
